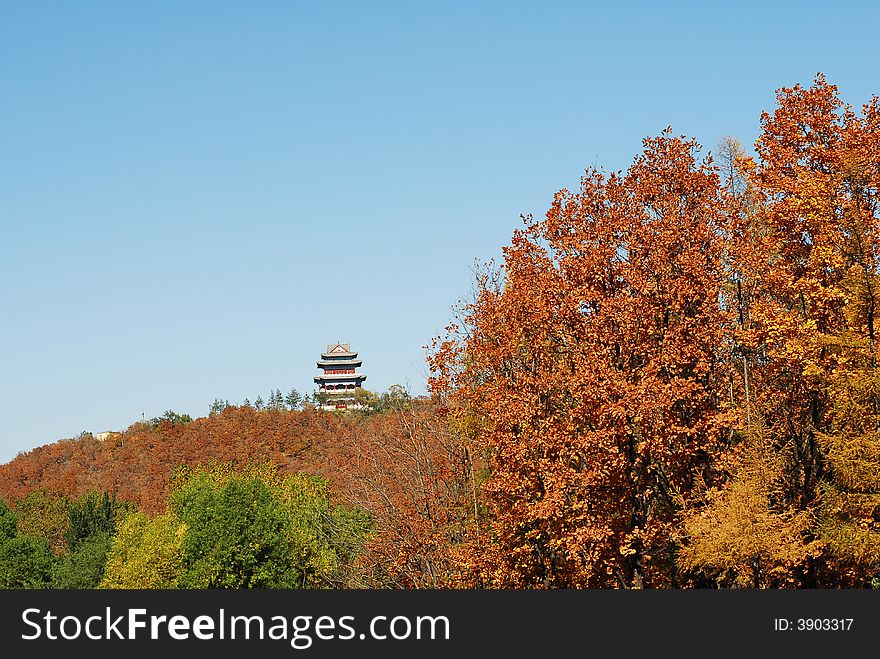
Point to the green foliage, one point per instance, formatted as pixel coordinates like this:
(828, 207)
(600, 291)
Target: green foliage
(348, 530)
(25, 562)
(366, 399)
(396, 398)
(217, 406)
(94, 512)
(294, 399)
(251, 528)
(393, 400)
(276, 400)
(235, 536)
(325, 539)
(174, 418)
(84, 567)
(8, 522)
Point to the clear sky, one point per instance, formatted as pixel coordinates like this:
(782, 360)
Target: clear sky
(195, 198)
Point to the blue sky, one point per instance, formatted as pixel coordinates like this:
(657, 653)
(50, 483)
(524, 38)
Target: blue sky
(195, 198)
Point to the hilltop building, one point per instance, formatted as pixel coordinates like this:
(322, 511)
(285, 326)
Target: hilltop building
(340, 380)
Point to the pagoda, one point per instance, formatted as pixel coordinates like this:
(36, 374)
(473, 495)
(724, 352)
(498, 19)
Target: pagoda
(340, 379)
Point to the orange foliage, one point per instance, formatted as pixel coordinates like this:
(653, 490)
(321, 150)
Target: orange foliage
(659, 360)
(138, 463)
(590, 372)
(815, 250)
(404, 466)
(807, 261)
(417, 479)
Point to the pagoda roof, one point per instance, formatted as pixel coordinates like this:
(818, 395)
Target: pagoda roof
(340, 377)
(338, 350)
(340, 362)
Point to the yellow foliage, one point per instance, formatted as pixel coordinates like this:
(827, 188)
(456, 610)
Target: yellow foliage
(146, 553)
(740, 533)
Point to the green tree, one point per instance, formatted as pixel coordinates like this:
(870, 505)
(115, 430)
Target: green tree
(367, 401)
(25, 561)
(325, 539)
(174, 418)
(235, 536)
(92, 513)
(217, 406)
(251, 528)
(294, 399)
(276, 400)
(396, 398)
(83, 568)
(8, 522)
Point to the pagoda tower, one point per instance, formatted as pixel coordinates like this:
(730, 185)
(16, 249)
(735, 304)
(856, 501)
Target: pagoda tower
(340, 378)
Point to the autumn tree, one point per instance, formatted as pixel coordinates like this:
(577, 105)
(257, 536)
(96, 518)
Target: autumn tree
(43, 515)
(145, 553)
(590, 371)
(416, 477)
(808, 257)
(743, 535)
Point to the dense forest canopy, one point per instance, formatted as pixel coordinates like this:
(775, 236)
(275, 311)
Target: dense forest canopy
(670, 381)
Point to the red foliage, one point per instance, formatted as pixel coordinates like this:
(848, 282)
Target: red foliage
(417, 479)
(137, 464)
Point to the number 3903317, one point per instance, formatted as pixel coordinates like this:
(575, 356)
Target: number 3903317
(824, 624)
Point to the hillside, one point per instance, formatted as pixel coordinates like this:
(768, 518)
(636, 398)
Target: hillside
(403, 466)
(136, 465)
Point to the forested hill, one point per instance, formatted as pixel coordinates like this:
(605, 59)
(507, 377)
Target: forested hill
(137, 464)
(399, 463)
(671, 381)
